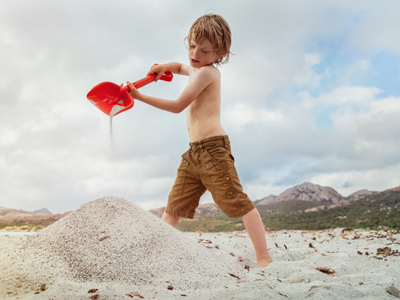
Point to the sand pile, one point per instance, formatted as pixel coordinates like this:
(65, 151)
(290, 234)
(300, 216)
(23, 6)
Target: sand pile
(112, 240)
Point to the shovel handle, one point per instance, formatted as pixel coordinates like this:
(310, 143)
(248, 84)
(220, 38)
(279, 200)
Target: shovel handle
(146, 80)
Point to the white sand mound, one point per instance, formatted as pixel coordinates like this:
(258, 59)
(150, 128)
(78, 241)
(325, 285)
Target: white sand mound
(113, 240)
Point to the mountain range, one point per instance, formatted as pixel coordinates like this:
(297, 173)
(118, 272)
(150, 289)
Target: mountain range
(7, 211)
(305, 197)
(308, 191)
(313, 197)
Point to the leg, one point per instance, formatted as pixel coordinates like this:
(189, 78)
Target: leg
(255, 227)
(170, 219)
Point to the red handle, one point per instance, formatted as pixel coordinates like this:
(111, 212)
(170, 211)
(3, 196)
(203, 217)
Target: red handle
(148, 79)
(144, 81)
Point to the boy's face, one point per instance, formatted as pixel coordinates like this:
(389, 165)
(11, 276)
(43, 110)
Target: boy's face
(201, 53)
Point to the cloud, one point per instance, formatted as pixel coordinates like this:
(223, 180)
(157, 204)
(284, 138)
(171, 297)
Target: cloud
(294, 100)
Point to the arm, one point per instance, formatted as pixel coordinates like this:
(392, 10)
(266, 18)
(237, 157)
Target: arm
(199, 81)
(173, 67)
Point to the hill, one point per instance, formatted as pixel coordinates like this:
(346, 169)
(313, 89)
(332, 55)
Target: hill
(306, 191)
(304, 197)
(290, 206)
(41, 211)
(13, 219)
(376, 211)
(306, 206)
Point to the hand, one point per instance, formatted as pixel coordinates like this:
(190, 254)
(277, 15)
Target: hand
(159, 70)
(134, 92)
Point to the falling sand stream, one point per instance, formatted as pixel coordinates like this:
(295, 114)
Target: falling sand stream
(112, 151)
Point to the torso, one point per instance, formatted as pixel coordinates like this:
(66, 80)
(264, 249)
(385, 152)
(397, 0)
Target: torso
(203, 115)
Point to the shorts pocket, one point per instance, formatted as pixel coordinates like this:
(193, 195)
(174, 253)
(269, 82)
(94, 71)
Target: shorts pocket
(216, 160)
(219, 181)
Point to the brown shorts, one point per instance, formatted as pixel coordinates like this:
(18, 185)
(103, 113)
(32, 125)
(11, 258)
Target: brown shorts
(208, 165)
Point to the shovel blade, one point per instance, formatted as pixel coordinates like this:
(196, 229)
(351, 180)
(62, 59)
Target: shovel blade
(107, 94)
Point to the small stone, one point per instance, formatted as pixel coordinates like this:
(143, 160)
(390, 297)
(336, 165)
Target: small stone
(326, 270)
(137, 295)
(392, 290)
(93, 291)
(43, 287)
(384, 251)
(170, 287)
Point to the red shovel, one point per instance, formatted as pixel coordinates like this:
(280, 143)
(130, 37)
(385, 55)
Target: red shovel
(106, 95)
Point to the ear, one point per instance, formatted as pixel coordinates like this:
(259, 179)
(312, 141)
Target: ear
(218, 57)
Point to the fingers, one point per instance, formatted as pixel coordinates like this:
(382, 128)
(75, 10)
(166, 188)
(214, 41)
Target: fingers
(159, 75)
(130, 85)
(152, 71)
(157, 70)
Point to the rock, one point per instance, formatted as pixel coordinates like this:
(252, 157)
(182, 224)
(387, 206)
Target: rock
(326, 270)
(266, 200)
(360, 194)
(392, 290)
(306, 191)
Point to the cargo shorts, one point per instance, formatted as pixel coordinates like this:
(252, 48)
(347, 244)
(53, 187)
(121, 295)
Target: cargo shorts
(208, 165)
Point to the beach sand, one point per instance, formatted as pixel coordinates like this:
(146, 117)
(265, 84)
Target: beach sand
(83, 257)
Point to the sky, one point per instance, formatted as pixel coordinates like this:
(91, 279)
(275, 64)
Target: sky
(311, 94)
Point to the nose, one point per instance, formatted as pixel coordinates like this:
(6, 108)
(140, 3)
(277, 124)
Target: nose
(195, 52)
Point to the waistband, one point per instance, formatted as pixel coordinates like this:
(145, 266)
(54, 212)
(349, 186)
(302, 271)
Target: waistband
(212, 141)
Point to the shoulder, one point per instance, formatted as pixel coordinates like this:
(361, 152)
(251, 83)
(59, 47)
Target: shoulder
(210, 72)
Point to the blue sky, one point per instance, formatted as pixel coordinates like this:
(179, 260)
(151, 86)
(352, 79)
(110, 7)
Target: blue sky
(310, 94)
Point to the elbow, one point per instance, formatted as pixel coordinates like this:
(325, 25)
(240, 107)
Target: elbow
(177, 109)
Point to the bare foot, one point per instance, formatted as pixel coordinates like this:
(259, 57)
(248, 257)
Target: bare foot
(263, 263)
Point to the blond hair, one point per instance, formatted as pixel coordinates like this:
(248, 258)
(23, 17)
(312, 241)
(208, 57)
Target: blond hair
(215, 29)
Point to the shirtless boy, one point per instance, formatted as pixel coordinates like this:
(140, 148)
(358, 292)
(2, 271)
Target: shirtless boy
(208, 164)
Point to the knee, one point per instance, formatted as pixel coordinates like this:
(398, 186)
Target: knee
(170, 219)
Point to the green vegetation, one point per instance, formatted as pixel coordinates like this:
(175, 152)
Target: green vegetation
(211, 224)
(378, 211)
(22, 227)
(289, 206)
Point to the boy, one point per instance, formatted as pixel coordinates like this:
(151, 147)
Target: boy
(208, 164)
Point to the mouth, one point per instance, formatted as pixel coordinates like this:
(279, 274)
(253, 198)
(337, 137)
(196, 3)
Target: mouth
(193, 60)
